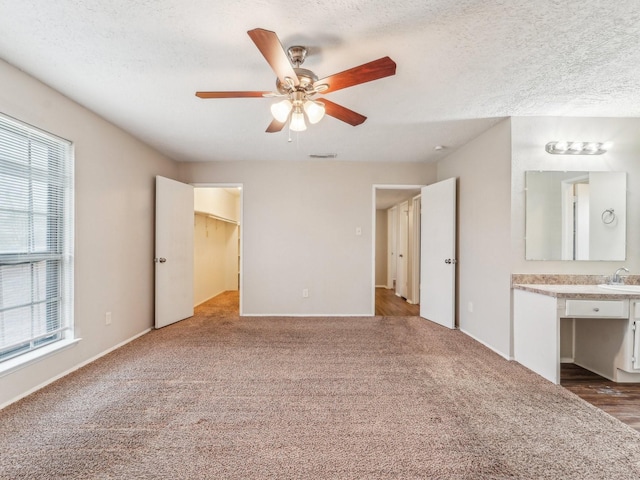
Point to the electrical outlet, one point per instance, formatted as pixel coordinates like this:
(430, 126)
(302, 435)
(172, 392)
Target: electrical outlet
(107, 318)
(305, 293)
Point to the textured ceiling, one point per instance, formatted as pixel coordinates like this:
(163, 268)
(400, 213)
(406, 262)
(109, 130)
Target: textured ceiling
(461, 66)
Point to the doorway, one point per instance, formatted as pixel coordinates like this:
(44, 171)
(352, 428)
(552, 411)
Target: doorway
(396, 250)
(217, 247)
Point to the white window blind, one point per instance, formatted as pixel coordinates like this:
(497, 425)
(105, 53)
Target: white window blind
(36, 238)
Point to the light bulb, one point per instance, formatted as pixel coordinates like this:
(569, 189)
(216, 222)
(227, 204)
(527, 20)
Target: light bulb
(280, 110)
(297, 121)
(592, 147)
(314, 110)
(562, 146)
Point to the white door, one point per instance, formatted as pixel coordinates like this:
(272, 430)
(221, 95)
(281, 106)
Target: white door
(392, 231)
(438, 246)
(414, 257)
(174, 251)
(403, 250)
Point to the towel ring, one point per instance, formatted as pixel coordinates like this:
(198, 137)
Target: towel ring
(608, 216)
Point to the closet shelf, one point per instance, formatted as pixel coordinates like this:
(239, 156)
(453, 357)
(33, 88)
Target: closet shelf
(216, 217)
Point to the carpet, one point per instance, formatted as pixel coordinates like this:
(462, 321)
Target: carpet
(220, 396)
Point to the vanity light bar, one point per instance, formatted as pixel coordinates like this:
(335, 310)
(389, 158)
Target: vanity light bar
(575, 148)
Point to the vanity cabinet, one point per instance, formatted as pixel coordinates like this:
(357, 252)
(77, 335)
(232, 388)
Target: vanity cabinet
(605, 339)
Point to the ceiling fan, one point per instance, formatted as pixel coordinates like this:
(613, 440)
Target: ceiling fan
(298, 86)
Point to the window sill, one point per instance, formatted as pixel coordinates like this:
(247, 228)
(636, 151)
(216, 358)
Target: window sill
(34, 356)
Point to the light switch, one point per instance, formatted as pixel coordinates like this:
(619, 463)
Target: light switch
(358, 231)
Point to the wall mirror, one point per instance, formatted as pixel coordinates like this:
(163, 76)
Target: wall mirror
(575, 215)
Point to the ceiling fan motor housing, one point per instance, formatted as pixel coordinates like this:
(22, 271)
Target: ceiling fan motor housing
(306, 78)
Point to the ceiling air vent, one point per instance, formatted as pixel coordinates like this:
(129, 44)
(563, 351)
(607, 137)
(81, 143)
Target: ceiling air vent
(323, 155)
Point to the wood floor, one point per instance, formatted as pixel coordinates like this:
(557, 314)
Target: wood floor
(620, 400)
(388, 304)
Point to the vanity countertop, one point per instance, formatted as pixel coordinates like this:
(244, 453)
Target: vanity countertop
(578, 292)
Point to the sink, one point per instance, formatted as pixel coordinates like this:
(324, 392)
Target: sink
(621, 288)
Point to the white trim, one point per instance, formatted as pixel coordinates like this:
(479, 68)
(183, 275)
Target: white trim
(73, 369)
(21, 361)
(506, 357)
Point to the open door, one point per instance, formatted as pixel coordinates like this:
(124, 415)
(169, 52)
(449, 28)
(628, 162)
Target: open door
(402, 247)
(438, 247)
(174, 252)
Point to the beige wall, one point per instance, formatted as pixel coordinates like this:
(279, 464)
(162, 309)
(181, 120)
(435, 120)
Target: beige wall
(484, 271)
(299, 230)
(114, 205)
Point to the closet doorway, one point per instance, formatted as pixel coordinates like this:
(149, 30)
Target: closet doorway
(217, 247)
(397, 250)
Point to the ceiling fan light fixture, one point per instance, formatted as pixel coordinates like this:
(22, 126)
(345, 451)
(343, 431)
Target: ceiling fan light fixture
(281, 110)
(297, 121)
(314, 110)
(576, 148)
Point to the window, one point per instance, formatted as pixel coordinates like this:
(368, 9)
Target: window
(36, 239)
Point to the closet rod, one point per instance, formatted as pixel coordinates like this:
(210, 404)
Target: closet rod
(216, 217)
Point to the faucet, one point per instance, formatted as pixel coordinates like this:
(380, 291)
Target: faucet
(616, 279)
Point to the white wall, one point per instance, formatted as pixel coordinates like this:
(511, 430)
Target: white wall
(484, 272)
(114, 203)
(299, 230)
(529, 136)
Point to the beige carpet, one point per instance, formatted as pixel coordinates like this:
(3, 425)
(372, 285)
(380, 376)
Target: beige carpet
(223, 397)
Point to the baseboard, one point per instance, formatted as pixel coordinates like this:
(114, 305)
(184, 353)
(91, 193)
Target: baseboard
(212, 296)
(627, 377)
(506, 357)
(566, 359)
(73, 369)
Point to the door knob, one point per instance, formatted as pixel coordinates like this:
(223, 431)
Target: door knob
(160, 260)
(449, 261)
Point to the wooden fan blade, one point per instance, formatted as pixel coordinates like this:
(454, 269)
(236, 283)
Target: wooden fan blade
(383, 67)
(275, 126)
(230, 94)
(271, 49)
(343, 113)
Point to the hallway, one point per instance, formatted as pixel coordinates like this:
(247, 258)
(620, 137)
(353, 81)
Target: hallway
(388, 304)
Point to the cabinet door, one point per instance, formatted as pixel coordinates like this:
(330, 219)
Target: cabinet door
(636, 346)
(636, 334)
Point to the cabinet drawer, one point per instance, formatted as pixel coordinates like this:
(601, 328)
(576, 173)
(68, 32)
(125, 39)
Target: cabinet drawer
(596, 308)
